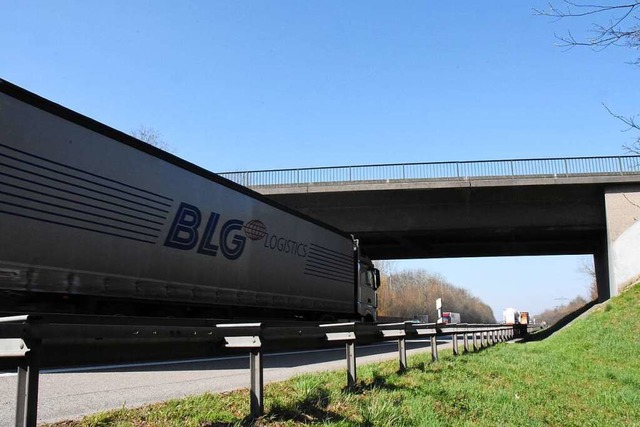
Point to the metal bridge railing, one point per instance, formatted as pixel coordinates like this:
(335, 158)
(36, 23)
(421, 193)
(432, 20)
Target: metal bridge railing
(442, 171)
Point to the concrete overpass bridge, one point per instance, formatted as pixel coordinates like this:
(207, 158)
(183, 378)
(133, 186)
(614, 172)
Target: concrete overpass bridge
(559, 206)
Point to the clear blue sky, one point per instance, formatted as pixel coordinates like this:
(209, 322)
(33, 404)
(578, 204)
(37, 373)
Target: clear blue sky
(261, 85)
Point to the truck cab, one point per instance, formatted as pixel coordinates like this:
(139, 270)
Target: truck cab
(449, 317)
(368, 282)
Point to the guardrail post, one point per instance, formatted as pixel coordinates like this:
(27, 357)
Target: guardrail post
(351, 364)
(247, 335)
(28, 378)
(257, 397)
(475, 341)
(402, 354)
(345, 332)
(434, 348)
(454, 339)
(399, 331)
(465, 342)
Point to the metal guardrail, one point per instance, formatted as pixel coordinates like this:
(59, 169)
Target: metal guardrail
(442, 171)
(24, 339)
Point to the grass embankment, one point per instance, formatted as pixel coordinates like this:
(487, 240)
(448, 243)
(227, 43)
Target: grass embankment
(585, 375)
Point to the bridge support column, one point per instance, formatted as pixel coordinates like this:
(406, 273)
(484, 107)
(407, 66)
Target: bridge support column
(601, 266)
(622, 205)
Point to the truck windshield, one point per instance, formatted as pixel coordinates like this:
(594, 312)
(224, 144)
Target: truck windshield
(370, 278)
(367, 277)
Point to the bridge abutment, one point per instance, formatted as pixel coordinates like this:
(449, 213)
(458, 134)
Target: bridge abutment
(622, 205)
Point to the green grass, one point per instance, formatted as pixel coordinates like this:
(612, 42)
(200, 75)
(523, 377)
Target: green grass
(585, 375)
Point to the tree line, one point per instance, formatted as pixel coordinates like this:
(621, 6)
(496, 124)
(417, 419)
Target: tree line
(412, 293)
(552, 315)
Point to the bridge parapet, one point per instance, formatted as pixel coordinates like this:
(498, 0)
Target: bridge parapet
(463, 171)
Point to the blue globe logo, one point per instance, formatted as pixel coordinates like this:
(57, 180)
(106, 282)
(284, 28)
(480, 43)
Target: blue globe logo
(255, 229)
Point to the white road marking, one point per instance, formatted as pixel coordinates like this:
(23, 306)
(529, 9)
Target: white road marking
(187, 361)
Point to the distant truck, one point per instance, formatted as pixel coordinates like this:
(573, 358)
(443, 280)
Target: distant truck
(95, 221)
(449, 317)
(510, 316)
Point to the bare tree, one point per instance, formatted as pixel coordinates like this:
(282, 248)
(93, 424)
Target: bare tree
(588, 269)
(621, 29)
(152, 137)
(616, 32)
(386, 267)
(633, 148)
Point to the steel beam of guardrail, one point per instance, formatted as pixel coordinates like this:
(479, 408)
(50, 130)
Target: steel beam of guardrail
(22, 339)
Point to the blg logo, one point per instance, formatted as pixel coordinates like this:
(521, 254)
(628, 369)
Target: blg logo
(184, 233)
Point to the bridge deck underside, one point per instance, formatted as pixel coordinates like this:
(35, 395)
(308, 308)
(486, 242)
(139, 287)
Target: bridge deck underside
(463, 222)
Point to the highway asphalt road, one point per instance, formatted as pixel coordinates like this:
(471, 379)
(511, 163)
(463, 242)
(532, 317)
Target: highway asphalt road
(72, 393)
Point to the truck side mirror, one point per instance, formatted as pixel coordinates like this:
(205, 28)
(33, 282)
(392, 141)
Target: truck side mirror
(377, 273)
